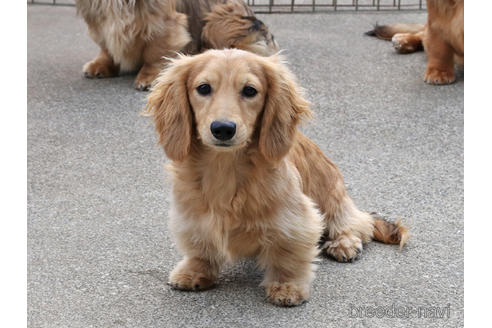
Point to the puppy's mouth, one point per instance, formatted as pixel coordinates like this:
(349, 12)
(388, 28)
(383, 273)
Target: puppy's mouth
(226, 146)
(223, 145)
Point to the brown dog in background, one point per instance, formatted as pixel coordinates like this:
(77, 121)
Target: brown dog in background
(246, 181)
(442, 38)
(136, 35)
(220, 24)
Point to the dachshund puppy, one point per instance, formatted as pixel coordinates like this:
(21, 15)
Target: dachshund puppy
(139, 35)
(442, 38)
(220, 24)
(246, 182)
(133, 35)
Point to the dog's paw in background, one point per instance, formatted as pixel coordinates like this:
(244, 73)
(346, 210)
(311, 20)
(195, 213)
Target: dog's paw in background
(439, 77)
(345, 248)
(406, 43)
(286, 294)
(100, 67)
(147, 75)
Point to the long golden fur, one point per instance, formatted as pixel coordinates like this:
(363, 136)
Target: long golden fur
(136, 35)
(265, 190)
(442, 38)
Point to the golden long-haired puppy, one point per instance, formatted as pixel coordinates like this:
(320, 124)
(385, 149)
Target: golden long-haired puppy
(136, 35)
(442, 38)
(246, 182)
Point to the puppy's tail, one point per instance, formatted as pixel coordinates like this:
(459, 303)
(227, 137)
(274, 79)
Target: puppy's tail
(389, 232)
(386, 32)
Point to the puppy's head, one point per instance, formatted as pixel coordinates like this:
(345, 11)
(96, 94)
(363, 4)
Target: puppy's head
(232, 25)
(227, 100)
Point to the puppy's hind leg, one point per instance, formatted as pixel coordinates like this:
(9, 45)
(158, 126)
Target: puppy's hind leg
(346, 230)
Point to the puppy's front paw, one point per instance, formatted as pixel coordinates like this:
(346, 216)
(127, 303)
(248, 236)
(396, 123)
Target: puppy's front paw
(436, 76)
(286, 294)
(99, 69)
(186, 277)
(345, 248)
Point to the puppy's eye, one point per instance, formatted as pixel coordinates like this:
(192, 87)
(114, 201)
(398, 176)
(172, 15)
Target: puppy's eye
(249, 92)
(204, 89)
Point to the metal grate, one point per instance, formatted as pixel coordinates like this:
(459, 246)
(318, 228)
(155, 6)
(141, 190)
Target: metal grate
(300, 6)
(53, 2)
(303, 6)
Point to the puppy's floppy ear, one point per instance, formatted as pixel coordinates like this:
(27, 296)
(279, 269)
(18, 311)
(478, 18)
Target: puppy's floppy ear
(169, 106)
(285, 106)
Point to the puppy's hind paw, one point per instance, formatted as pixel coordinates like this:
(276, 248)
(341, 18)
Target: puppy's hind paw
(345, 248)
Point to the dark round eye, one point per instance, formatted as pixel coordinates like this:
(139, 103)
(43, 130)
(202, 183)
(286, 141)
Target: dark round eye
(249, 92)
(204, 89)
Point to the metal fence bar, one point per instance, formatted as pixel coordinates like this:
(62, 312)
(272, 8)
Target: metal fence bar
(300, 6)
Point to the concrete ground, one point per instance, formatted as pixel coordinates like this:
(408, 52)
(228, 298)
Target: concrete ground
(99, 251)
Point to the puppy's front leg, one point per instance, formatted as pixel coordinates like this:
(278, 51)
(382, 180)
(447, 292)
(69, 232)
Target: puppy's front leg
(440, 63)
(199, 268)
(288, 259)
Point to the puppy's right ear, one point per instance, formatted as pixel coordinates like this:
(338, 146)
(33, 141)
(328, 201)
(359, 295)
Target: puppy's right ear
(168, 104)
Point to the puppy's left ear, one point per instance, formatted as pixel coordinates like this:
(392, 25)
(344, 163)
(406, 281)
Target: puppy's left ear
(168, 104)
(285, 107)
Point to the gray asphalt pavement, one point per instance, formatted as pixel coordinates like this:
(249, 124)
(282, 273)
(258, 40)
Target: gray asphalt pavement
(99, 251)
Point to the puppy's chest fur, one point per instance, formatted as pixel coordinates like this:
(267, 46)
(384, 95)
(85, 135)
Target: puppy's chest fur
(234, 203)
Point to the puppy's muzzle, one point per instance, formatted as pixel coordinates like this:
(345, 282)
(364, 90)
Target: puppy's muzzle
(223, 130)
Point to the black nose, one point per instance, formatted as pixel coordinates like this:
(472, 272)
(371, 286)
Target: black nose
(223, 130)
